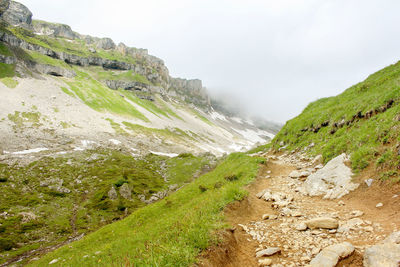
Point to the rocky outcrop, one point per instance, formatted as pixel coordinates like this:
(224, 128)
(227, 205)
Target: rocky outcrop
(105, 44)
(386, 254)
(7, 59)
(17, 15)
(54, 70)
(4, 6)
(332, 181)
(138, 86)
(192, 91)
(53, 29)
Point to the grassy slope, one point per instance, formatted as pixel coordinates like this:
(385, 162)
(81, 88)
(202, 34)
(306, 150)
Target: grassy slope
(367, 140)
(89, 175)
(170, 232)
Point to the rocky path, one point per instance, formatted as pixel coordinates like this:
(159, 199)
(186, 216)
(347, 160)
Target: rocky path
(277, 225)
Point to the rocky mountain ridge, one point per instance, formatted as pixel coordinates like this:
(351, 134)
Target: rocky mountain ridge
(153, 68)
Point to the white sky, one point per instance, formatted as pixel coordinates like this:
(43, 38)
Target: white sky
(275, 56)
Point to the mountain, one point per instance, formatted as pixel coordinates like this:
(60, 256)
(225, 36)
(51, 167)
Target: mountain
(92, 131)
(92, 89)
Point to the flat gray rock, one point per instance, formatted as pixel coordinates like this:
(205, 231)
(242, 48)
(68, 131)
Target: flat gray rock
(386, 254)
(331, 255)
(322, 222)
(267, 252)
(332, 181)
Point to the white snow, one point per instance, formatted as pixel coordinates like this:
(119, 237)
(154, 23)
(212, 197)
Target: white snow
(87, 143)
(61, 153)
(29, 151)
(254, 136)
(171, 155)
(217, 116)
(236, 119)
(114, 141)
(78, 149)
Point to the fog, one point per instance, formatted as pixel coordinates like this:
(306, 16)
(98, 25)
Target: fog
(274, 56)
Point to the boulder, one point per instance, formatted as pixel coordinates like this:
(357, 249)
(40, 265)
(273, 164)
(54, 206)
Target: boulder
(322, 222)
(265, 262)
(268, 252)
(332, 181)
(125, 191)
(331, 255)
(385, 254)
(112, 194)
(17, 15)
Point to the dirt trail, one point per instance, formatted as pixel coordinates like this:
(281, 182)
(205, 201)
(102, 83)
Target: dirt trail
(239, 246)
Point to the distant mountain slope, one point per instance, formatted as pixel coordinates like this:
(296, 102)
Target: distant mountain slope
(62, 87)
(363, 121)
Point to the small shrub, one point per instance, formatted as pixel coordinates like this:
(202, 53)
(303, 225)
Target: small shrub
(231, 177)
(203, 188)
(6, 244)
(3, 179)
(120, 182)
(218, 185)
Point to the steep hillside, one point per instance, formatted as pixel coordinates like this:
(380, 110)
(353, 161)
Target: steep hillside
(363, 121)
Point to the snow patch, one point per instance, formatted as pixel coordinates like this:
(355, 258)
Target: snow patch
(86, 143)
(29, 151)
(254, 136)
(114, 141)
(171, 155)
(236, 119)
(217, 116)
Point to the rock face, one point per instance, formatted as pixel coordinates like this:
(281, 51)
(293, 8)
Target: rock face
(323, 222)
(105, 43)
(332, 181)
(114, 84)
(17, 15)
(330, 256)
(386, 254)
(53, 29)
(4, 6)
(55, 71)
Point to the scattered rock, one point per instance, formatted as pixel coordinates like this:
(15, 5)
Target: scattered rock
(332, 181)
(331, 255)
(369, 182)
(379, 205)
(301, 227)
(27, 216)
(264, 262)
(125, 191)
(268, 252)
(356, 213)
(386, 254)
(317, 160)
(112, 194)
(322, 222)
(53, 261)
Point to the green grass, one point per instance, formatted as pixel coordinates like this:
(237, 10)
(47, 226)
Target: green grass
(43, 59)
(25, 119)
(364, 138)
(9, 82)
(201, 117)
(7, 70)
(128, 76)
(4, 50)
(89, 175)
(171, 232)
(101, 98)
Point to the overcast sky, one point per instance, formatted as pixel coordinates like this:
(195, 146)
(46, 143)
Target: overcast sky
(275, 56)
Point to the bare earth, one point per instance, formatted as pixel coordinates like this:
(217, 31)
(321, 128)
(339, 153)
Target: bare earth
(238, 246)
